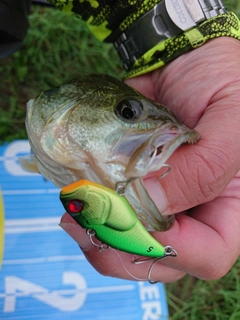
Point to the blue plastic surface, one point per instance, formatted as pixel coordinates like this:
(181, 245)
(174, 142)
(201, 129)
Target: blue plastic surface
(44, 274)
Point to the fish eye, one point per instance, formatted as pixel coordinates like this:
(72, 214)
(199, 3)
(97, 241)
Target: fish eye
(129, 109)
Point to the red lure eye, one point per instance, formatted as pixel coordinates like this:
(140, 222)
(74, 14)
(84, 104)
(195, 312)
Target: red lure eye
(75, 206)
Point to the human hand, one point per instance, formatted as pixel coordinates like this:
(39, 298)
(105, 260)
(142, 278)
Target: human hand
(203, 188)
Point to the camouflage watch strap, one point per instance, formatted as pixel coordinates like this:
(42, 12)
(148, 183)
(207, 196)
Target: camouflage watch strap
(226, 24)
(106, 19)
(143, 51)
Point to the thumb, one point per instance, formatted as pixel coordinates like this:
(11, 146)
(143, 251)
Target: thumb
(200, 172)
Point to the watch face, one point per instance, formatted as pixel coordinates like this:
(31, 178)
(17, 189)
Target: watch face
(185, 14)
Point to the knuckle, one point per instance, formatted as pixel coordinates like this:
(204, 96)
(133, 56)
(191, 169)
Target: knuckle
(211, 178)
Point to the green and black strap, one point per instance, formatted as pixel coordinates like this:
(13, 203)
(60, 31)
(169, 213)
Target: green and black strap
(224, 25)
(123, 22)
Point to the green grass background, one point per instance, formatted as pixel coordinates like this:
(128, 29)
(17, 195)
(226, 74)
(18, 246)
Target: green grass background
(57, 48)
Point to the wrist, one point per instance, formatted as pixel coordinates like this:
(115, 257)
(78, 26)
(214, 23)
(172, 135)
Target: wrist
(170, 29)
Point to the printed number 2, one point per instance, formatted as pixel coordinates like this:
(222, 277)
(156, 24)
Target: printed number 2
(17, 287)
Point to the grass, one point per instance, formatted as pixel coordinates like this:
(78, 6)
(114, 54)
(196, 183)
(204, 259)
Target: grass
(193, 299)
(56, 49)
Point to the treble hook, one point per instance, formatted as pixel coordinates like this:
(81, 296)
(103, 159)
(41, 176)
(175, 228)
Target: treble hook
(155, 150)
(91, 233)
(165, 173)
(169, 252)
(120, 186)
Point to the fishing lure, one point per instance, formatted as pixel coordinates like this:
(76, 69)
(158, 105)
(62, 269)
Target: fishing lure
(109, 217)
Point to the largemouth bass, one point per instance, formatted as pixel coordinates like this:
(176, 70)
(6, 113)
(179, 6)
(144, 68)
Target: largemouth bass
(99, 129)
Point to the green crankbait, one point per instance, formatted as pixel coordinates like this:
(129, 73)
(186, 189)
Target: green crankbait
(109, 216)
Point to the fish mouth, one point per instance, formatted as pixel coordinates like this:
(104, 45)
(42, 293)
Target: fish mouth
(152, 155)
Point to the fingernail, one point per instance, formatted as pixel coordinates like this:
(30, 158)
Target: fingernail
(157, 194)
(78, 234)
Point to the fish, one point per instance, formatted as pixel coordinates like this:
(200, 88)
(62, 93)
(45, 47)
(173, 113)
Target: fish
(97, 128)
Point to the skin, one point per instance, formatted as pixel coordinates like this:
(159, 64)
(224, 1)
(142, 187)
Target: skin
(203, 188)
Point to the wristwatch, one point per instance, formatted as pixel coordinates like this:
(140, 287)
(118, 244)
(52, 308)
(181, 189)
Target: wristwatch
(171, 28)
(147, 34)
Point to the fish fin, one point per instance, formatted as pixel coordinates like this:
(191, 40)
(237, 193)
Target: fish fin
(29, 104)
(29, 163)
